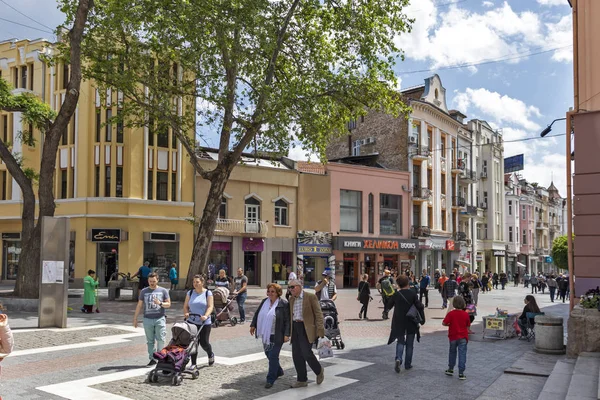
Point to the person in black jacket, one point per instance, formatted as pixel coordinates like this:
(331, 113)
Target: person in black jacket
(272, 310)
(364, 296)
(404, 329)
(530, 307)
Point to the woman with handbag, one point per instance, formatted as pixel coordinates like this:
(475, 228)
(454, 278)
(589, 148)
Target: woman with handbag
(364, 296)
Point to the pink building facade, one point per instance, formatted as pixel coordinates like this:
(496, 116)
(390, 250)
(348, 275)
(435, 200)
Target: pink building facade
(370, 222)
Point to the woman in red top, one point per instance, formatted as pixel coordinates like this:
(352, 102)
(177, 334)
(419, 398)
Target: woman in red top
(458, 324)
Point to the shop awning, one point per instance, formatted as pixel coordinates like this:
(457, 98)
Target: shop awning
(463, 262)
(519, 264)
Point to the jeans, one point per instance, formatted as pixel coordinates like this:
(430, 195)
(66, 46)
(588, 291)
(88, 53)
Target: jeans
(272, 352)
(241, 299)
(156, 330)
(503, 285)
(408, 342)
(475, 292)
(552, 293)
(461, 345)
(534, 286)
(424, 292)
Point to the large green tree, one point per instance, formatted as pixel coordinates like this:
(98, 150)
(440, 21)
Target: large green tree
(560, 251)
(51, 126)
(261, 72)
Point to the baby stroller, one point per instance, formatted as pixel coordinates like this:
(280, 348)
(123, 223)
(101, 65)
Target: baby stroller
(223, 306)
(330, 320)
(172, 360)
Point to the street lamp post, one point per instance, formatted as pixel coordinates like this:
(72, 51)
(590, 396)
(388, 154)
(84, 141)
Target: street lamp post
(569, 155)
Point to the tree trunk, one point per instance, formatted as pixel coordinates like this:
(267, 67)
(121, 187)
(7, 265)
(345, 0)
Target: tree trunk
(28, 277)
(208, 223)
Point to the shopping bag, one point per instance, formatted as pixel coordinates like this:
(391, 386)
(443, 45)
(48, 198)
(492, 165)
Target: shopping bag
(325, 352)
(323, 342)
(517, 327)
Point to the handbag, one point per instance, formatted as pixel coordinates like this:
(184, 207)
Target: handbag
(413, 313)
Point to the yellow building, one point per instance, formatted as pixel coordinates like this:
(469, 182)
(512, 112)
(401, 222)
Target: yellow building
(257, 224)
(128, 193)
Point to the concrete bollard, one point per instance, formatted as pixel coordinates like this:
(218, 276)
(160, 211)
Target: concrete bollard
(549, 335)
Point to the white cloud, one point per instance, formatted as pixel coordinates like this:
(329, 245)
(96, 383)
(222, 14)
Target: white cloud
(546, 169)
(500, 109)
(552, 2)
(561, 32)
(459, 36)
(299, 154)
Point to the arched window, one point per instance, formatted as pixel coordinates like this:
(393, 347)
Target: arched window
(281, 212)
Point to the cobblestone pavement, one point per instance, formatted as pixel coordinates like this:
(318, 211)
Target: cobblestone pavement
(365, 342)
(47, 338)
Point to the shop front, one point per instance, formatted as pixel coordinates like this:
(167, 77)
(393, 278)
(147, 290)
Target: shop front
(495, 260)
(219, 257)
(107, 242)
(371, 256)
(313, 255)
(280, 259)
(253, 249)
(161, 250)
(11, 253)
(436, 254)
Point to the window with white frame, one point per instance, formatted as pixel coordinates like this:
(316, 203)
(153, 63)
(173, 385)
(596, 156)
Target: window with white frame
(390, 214)
(356, 148)
(524, 236)
(281, 213)
(350, 210)
(523, 214)
(510, 207)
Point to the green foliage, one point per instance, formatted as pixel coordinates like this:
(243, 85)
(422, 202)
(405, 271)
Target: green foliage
(276, 70)
(560, 251)
(34, 111)
(590, 301)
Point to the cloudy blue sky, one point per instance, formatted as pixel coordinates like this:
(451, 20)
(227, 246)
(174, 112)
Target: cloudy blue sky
(505, 61)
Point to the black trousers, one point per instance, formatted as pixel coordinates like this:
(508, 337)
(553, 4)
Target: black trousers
(424, 292)
(302, 353)
(204, 339)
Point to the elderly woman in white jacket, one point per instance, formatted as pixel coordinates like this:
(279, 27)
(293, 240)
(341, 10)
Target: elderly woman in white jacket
(6, 337)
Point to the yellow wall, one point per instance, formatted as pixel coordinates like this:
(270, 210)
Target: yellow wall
(314, 213)
(267, 183)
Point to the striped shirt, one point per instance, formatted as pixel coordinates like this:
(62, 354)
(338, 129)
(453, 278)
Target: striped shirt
(297, 314)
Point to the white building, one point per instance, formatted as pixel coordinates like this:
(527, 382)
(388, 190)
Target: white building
(512, 226)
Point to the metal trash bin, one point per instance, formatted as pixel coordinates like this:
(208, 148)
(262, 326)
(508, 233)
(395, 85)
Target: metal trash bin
(549, 335)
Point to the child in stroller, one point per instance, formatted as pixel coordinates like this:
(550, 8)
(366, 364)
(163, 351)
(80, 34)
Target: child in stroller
(173, 359)
(223, 307)
(330, 320)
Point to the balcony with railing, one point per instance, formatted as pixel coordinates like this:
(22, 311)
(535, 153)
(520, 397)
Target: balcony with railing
(467, 175)
(458, 166)
(541, 225)
(229, 226)
(483, 174)
(420, 152)
(542, 251)
(421, 194)
(460, 236)
(421, 231)
(458, 202)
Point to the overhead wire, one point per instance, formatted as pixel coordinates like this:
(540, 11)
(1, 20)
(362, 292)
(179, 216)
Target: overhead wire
(27, 16)
(496, 143)
(26, 26)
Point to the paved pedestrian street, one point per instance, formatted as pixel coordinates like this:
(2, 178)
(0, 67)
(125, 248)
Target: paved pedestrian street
(97, 359)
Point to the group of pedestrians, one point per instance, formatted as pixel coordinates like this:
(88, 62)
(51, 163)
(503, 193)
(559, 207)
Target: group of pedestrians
(558, 286)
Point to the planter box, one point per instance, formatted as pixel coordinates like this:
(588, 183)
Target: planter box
(584, 331)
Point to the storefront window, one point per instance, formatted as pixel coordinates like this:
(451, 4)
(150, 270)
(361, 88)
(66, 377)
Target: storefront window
(219, 258)
(12, 254)
(282, 262)
(313, 268)
(252, 267)
(161, 255)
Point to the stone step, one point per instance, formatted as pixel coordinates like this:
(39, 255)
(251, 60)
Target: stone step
(585, 378)
(557, 384)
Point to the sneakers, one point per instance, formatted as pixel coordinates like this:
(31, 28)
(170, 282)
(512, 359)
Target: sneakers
(462, 377)
(280, 373)
(449, 372)
(321, 376)
(359, 316)
(211, 360)
(151, 363)
(268, 385)
(298, 384)
(397, 366)
(193, 367)
(241, 322)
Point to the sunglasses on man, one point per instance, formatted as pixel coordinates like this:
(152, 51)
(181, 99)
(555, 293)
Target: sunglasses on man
(292, 286)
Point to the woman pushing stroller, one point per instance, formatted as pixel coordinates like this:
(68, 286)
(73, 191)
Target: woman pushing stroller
(200, 301)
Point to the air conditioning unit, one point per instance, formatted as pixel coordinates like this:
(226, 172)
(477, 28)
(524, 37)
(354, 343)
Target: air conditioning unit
(412, 139)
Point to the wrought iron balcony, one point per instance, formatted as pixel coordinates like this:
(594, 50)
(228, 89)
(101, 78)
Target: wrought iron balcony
(421, 231)
(226, 226)
(460, 236)
(467, 175)
(419, 193)
(458, 201)
(420, 152)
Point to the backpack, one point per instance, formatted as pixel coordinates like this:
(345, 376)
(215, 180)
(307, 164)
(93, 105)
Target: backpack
(387, 288)
(463, 287)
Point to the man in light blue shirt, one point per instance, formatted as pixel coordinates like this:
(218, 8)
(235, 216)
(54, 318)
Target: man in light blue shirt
(154, 300)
